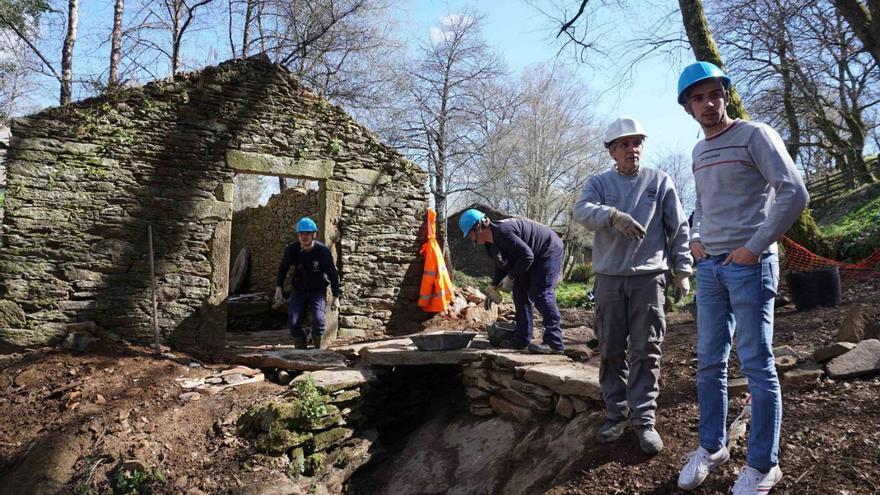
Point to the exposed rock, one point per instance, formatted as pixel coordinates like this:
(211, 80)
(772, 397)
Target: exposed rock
(864, 359)
(566, 378)
(786, 350)
(785, 363)
(513, 359)
(831, 351)
(78, 342)
(508, 410)
(737, 387)
(481, 409)
(11, 316)
(332, 380)
(872, 331)
(853, 327)
(292, 359)
(802, 377)
(479, 314)
(578, 352)
(399, 355)
(473, 295)
(520, 399)
(283, 377)
(565, 407)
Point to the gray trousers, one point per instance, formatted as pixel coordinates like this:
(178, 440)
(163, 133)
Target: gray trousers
(630, 326)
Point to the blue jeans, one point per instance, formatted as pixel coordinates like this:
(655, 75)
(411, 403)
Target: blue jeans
(301, 301)
(738, 296)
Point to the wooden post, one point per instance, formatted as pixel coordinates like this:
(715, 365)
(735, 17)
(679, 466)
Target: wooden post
(156, 344)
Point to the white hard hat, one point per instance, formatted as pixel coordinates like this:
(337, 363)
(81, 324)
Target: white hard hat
(623, 127)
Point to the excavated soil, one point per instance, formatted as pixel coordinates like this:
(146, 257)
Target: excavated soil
(68, 421)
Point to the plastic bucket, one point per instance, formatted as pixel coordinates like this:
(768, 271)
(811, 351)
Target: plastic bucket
(815, 288)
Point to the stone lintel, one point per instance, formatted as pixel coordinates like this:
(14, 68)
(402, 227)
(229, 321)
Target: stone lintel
(264, 164)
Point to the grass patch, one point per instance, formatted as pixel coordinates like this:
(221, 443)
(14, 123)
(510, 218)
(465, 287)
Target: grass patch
(573, 295)
(857, 232)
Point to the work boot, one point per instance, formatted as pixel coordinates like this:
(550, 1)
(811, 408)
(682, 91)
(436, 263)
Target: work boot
(316, 341)
(513, 344)
(611, 430)
(544, 349)
(299, 342)
(649, 439)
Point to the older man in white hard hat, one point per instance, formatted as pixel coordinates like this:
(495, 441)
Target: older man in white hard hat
(641, 232)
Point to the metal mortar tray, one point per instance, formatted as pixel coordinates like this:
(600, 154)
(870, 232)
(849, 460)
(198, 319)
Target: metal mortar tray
(442, 341)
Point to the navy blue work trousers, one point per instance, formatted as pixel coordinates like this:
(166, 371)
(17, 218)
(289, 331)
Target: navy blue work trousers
(303, 301)
(538, 287)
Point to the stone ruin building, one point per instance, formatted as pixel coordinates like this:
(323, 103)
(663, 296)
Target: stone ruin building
(84, 182)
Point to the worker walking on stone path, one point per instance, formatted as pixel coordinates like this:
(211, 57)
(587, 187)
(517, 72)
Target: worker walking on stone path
(641, 232)
(314, 270)
(528, 262)
(749, 193)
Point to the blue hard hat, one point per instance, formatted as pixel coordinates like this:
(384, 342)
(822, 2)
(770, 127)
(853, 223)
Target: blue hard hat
(696, 72)
(306, 224)
(468, 219)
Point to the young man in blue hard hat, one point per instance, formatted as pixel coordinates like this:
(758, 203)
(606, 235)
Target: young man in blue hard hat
(748, 195)
(641, 233)
(314, 270)
(528, 262)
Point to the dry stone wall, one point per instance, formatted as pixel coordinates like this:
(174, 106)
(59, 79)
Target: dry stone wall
(84, 182)
(266, 230)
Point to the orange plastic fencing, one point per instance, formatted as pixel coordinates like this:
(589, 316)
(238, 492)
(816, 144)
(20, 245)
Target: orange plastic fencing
(800, 259)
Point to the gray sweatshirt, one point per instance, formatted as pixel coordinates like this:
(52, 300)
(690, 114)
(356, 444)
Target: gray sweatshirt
(650, 198)
(749, 192)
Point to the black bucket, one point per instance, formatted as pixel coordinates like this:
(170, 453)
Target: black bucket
(815, 288)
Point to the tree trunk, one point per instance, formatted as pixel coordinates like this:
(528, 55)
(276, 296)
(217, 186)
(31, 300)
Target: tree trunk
(116, 44)
(175, 37)
(245, 38)
(67, 53)
(864, 20)
(700, 38)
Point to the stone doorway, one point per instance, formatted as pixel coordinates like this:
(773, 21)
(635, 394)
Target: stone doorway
(260, 233)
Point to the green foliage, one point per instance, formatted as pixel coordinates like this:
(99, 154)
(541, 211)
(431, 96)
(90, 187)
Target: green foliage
(22, 13)
(857, 233)
(312, 400)
(582, 272)
(137, 482)
(573, 295)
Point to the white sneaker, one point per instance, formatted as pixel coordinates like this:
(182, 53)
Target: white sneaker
(754, 482)
(700, 463)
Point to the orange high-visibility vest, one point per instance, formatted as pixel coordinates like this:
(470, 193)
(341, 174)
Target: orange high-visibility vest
(436, 290)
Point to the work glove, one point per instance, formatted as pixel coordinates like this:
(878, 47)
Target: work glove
(279, 297)
(627, 225)
(681, 286)
(506, 284)
(335, 304)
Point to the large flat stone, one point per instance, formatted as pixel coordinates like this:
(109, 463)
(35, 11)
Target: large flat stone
(292, 359)
(400, 354)
(566, 378)
(863, 360)
(263, 164)
(513, 359)
(511, 411)
(831, 351)
(353, 351)
(332, 380)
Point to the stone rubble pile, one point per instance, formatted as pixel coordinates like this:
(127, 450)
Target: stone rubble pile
(855, 352)
(314, 430)
(468, 310)
(523, 387)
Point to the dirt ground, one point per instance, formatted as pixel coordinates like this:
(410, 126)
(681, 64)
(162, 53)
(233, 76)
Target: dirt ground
(69, 420)
(830, 442)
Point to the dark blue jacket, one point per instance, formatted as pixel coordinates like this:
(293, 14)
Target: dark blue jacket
(313, 269)
(517, 243)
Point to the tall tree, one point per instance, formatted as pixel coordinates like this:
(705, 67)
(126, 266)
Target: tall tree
(67, 52)
(452, 68)
(864, 19)
(116, 43)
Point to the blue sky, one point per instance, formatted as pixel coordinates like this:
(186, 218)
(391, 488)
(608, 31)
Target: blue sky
(524, 37)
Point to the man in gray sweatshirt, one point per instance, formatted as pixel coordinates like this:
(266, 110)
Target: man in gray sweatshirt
(749, 193)
(641, 233)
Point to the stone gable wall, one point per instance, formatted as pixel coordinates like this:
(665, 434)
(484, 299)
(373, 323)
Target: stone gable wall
(266, 231)
(85, 182)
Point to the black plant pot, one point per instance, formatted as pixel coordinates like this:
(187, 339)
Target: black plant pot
(815, 288)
